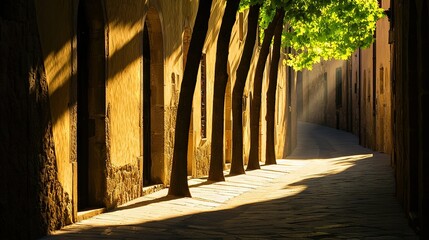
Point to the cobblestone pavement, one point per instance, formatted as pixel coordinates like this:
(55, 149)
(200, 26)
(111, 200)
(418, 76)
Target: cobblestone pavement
(330, 188)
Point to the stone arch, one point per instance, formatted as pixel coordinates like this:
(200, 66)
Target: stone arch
(153, 100)
(91, 105)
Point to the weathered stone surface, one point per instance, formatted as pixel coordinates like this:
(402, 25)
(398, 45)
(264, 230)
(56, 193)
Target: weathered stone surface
(202, 160)
(33, 202)
(410, 114)
(170, 124)
(123, 184)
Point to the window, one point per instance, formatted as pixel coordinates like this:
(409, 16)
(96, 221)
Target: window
(339, 87)
(203, 97)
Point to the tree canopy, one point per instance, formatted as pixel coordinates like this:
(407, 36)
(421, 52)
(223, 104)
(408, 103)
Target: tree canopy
(322, 29)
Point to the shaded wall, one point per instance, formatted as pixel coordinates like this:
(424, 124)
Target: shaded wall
(33, 201)
(325, 94)
(409, 24)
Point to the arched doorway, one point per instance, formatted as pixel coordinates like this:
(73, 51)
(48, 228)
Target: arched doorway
(91, 147)
(153, 100)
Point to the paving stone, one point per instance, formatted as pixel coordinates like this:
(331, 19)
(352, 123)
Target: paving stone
(329, 188)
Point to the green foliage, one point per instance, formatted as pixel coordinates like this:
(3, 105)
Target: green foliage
(322, 29)
(266, 14)
(335, 30)
(245, 4)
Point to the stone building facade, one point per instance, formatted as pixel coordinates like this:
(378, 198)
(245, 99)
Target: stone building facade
(355, 94)
(89, 96)
(389, 98)
(324, 94)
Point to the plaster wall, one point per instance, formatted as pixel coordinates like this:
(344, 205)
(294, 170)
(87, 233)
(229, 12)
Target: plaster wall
(123, 31)
(355, 75)
(281, 111)
(319, 94)
(55, 18)
(383, 74)
(123, 100)
(176, 17)
(314, 95)
(52, 158)
(367, 119)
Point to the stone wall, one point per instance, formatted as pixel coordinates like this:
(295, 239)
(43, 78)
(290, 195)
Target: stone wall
(410, 98)
(383, 87)
(33, 201)
(319, 94)
(365, 108)
(39, 102)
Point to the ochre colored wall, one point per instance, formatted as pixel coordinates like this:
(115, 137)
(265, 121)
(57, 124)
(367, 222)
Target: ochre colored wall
(202, 146)
(383, 74)
(319, 94)
(313, 95)
(281, 111)
(175, 16)
(33, 200)
(361, 112)
(355, 75)
(123, 110)
(123, 100)
(124, 76)
(55, 26)
(367, 119)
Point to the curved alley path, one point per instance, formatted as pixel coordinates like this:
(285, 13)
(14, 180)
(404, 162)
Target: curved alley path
(330, 188)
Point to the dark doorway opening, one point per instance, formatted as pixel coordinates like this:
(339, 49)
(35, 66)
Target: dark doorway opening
(82, 110)
(153, 131)
(91, 147)
(147, 156)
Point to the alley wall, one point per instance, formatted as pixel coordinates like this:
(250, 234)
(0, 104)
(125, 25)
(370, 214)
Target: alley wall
(354, 94)
(89, 116)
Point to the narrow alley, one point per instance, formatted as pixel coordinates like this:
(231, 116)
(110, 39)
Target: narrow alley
(329, 188)
(114, 113)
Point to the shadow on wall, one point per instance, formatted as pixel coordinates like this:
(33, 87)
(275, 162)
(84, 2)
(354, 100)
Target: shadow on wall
(33, 201)
(29, 185)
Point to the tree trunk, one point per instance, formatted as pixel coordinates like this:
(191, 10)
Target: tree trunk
(220, 82)
(255, 110)
(270, 157)
(179, 180)
(237, 93)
